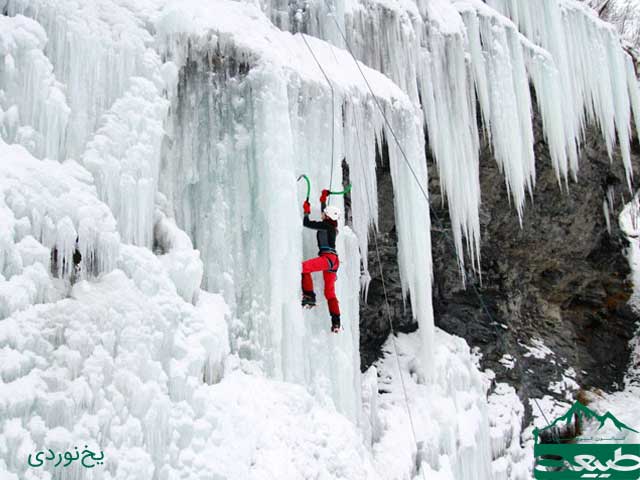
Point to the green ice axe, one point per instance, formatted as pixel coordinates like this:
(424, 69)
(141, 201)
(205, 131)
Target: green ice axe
(308, 184)
(346, 190)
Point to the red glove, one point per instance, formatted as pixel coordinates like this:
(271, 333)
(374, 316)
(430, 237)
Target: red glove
(306, 206)
(324, 196)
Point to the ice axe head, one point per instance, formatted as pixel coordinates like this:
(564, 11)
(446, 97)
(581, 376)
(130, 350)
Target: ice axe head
(308, 184)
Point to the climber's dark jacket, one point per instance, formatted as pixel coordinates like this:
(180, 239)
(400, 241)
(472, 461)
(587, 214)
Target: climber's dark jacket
(327, 232)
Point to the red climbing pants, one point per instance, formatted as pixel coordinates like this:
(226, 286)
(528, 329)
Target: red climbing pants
(328, 264)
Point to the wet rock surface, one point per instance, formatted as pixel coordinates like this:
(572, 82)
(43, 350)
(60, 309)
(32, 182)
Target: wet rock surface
(561, 278)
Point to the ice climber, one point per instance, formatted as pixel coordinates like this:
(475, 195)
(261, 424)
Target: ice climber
(327, 260)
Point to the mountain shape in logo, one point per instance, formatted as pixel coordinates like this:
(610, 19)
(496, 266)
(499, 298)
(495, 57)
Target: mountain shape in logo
(579, 410)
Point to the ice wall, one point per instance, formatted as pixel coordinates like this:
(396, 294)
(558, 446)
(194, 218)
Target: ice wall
(262, 118)
(119, 363)
(224, 178)
(248, 119)
(197, 120)
(247, 114)
(127, 365)
(49, 212)
(124, 158)
(93, 105)
(95, 48)
(33, 108)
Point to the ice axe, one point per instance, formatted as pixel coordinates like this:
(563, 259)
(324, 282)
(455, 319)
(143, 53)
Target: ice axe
(346, 190)
(308, 184)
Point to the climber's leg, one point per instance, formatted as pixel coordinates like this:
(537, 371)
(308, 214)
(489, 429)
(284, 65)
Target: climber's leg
(330, 292)
(330, 277)
(312, 265)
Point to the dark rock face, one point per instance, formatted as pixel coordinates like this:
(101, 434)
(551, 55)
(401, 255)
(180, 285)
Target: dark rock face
(561, 278)
(374, 320)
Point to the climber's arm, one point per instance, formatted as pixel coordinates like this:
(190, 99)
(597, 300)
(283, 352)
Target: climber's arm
(306, 222)
(323, 199)
(313, 224)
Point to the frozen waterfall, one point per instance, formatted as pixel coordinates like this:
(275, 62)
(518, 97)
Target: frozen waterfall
(246, 124)
(152, 231)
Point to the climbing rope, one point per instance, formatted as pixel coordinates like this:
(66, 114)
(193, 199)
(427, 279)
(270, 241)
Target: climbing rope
(399, 145)
(434, 214)
(333, 107)
(404, 155)
(377, 247)
(379, 258)
(377, 102)
(386, 301)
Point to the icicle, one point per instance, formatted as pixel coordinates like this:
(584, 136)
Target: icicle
(372, 426)
(592, 64)
(65, 247)
(386, 39)
(361, 124)
(453, 134)
(634, 91)
(546, 81)
(409, 176)
(605, 210)
(503, 90)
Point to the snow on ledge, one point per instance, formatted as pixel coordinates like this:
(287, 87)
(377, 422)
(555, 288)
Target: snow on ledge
(243, 30)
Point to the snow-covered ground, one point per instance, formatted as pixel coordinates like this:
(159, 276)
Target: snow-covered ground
(452, 409)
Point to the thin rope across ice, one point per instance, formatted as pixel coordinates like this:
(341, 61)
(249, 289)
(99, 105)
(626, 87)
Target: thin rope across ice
(333, 107)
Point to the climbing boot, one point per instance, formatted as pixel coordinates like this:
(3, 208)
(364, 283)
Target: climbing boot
(335, 324)
(308, 299)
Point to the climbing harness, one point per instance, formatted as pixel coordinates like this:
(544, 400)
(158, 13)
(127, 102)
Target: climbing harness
(332, 265)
